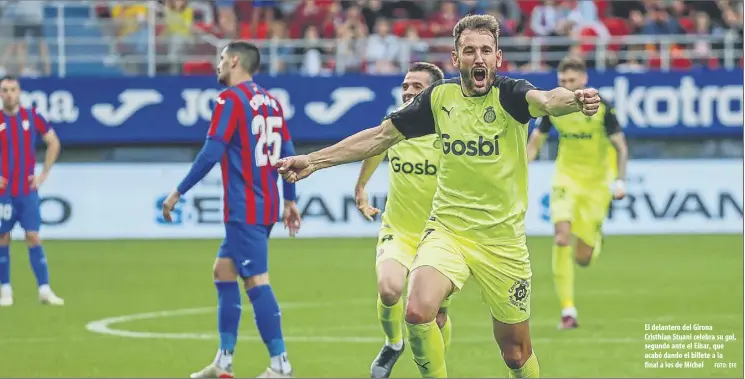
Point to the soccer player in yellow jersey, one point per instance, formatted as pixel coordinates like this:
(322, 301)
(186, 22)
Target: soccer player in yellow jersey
(477, 224)
(412, 167)
(592, 154)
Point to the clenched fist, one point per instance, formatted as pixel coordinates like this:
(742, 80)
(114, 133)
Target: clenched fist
(588, 100)
(295, 168)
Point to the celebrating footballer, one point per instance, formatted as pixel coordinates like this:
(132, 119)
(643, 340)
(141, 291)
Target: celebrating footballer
(477, 224)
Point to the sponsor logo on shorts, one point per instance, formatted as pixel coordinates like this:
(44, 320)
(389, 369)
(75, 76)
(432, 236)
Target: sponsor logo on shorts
(519, 294)
(387, 237)
(380, 252)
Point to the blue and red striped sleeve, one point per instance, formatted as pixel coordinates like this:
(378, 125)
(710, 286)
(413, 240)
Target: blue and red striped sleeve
(289, 191)
(40, 123)
(222, 127)
(224, 117)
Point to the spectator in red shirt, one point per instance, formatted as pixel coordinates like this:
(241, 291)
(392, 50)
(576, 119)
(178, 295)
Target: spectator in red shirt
(443, 21)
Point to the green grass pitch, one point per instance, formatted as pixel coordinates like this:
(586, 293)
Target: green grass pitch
(327, 290)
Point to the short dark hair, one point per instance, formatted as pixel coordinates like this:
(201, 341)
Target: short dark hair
(476, 22)
(9, 77)
(248, 55)
(572, 63)
(434, 72)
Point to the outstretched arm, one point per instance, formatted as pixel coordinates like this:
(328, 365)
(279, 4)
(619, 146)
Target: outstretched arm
(365, 144)
(561, 101)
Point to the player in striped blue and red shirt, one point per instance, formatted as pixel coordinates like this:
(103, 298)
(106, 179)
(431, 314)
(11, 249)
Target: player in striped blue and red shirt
(248, 134)
(19, 198)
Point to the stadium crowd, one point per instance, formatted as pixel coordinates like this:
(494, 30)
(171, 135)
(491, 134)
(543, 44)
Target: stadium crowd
(381, 37)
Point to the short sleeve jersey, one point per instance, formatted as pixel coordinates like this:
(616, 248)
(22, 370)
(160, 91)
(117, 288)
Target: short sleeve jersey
(412, 172)
(482, 187)
(586, 158)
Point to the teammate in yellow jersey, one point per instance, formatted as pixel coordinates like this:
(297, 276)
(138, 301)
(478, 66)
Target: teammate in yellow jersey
(592, 155)
(412, 168)
(477, 225)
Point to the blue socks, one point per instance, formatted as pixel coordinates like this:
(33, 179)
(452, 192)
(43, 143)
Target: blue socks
(4, 264)
(268, 318)
(39, 264)
(228, 313)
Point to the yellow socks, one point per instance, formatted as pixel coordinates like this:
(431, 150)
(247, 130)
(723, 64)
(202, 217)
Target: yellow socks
(390, 320)
(447, 332)
(563, 268)
(428, 349)
(529, 369)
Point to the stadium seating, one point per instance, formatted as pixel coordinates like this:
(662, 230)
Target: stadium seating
(78, 25)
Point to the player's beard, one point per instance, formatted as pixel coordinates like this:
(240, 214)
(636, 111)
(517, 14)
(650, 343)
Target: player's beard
(223, 78)
(469, 81)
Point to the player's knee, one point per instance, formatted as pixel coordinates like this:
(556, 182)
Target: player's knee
(583, 260)
(516, 355)
(442, 317)
(389, 291)
(256, 280)
(562, 238)
(33, 239)
(223, 270)
(5, 239)
(418, 312)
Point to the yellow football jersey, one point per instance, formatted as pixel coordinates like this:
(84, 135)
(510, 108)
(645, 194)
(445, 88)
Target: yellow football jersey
(412, 172)
(482, 187)
(586, 158)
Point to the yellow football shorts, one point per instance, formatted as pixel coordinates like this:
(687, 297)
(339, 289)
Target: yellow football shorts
(586, 210)
(502, 273)
(402, 249)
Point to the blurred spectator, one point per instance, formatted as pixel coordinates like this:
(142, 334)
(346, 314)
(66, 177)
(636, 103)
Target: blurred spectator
(227, 20)
(635, 56)
(443, 21)
(277, 55)
(545, 18)
(382, 53)
(636, 21)
(263, 11)
(508, 9)
(413, 47)
(584, 15)
(333, 20)
(678, 9)
(130, 20)
(312, 64)
(660, 22)
(27, 18)
(371, 11)
(350, 47)
(354, 18)
(178, 18)
(702, 47)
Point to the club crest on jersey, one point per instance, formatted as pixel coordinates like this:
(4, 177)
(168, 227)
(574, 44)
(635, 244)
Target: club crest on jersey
(490, 115)
(25, 124)
(519, 294)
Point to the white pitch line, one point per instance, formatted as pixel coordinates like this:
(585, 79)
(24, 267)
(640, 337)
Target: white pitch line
(104, 326)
